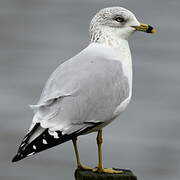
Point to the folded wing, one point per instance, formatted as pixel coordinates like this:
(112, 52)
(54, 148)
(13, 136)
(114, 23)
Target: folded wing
(80, 94)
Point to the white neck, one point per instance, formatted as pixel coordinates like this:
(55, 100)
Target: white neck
(111, 38)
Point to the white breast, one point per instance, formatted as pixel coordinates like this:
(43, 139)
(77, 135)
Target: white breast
(118, 49)
(123, 55)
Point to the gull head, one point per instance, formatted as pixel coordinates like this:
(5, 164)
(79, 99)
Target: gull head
(115, 23)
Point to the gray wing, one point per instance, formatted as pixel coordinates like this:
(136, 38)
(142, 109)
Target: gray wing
(81, 94)
(81, 90)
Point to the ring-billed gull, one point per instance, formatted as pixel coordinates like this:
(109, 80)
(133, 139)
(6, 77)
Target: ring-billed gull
(87, 92)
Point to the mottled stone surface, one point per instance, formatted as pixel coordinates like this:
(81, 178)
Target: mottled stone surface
(89, 175)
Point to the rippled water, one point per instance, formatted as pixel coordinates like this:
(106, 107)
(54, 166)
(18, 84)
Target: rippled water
(37, 35)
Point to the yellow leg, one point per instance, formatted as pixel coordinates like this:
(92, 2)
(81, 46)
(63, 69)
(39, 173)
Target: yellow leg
(79, 165)
(99, 143)
(100, 161)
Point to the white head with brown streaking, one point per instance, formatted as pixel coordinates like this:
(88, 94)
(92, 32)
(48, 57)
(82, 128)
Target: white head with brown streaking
(114, 23)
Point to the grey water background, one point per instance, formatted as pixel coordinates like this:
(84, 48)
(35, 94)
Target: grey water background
(37, 35)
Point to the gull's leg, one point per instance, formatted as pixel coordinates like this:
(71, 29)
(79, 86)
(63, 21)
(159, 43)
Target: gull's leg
(100, 161)
(99, 143)
(79, 165)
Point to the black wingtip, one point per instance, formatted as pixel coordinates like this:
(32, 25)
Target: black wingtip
(15, 158)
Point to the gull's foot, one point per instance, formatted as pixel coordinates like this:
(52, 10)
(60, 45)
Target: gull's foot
(106, 170)
(84, 167)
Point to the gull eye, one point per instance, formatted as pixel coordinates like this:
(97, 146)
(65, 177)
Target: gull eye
(119, 19)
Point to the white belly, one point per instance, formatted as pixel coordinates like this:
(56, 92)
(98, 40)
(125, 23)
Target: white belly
(122, 107)
(123, 55)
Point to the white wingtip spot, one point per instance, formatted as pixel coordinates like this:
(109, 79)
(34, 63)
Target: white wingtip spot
(54, 134)
(31, 154)
(44, 141)
(34, 147)
(22, 144)
(25, 138)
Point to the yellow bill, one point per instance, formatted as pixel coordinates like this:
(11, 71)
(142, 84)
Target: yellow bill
(145, 28)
